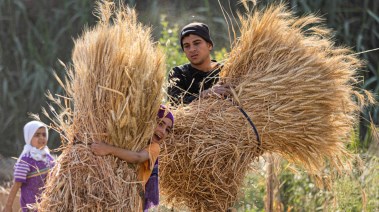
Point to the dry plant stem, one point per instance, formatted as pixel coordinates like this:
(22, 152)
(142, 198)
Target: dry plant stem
(113, 92)
(297, 87)
(84, 182)
(202, 167)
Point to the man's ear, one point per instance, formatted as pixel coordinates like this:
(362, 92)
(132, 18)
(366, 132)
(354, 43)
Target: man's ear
(210, 46)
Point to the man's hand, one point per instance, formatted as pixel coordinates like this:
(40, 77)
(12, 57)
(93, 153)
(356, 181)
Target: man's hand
(101, 149)
(220, 90)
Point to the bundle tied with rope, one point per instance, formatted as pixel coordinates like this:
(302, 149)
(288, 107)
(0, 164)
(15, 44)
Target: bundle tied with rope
(113, 92)
(297, 87)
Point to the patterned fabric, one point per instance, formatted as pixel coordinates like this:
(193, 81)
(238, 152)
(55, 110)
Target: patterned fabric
(152, 189)
(32, 174)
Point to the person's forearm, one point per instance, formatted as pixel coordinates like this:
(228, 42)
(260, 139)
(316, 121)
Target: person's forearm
(12, 195)
(127, 155)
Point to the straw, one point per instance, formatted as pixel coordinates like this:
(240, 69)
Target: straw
(113, 92)
(298, 88)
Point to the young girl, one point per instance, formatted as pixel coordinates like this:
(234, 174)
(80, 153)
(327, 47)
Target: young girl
(147, 157)
(32, 166)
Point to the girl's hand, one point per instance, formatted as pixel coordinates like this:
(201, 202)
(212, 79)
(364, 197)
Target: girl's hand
(101, 149)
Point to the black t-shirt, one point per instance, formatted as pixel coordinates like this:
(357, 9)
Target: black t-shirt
(187, 82)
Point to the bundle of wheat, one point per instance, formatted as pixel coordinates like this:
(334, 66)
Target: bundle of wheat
(206, 161)
(294, 84)
(114, 89)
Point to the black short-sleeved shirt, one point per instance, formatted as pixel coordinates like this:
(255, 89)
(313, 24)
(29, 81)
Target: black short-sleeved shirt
(186, 82)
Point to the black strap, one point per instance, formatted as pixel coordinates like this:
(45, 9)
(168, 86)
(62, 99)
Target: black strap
(250, 122)
(252, 125)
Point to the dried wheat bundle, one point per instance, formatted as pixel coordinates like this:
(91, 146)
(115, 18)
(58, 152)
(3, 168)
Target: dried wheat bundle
(114, 89)
(82, 181)
(296, 86)
(207, 156)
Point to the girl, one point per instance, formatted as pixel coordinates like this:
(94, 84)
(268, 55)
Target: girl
(148, 157)
(31, 167)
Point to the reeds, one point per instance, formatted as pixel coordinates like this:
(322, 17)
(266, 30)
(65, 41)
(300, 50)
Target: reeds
(298, 88)
(113, 92)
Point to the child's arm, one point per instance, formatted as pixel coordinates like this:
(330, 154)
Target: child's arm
(100, 148)
(12, 194)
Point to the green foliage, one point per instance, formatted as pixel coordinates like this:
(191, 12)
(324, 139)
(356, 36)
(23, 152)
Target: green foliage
(220, 55)
(169, 41)
(370, 184)
(33, 37)
(356, 191)
(254, 191)
(348, 194)
(298, 192)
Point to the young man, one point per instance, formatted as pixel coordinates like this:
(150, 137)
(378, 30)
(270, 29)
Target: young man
(199, 77)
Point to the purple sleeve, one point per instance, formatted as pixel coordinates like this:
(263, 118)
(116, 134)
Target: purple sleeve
(21, 169)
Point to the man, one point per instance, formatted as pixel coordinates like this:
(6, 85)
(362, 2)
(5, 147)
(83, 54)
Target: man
(198, 78)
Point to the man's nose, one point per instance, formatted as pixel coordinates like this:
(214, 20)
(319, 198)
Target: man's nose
(192, 48)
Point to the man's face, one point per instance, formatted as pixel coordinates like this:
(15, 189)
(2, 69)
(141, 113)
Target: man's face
(196, 49)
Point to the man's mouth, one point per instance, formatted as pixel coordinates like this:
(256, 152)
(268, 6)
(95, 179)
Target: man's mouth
(194, 56)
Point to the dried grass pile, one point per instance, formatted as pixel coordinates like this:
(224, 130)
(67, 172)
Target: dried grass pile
(299, 89)
(113, 92)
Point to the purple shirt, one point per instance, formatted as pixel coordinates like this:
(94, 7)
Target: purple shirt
(32, 174)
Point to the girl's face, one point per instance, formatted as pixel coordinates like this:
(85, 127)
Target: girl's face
(39, 140)
(162, 130)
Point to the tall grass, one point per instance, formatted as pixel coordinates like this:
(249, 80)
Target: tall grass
(33, 37)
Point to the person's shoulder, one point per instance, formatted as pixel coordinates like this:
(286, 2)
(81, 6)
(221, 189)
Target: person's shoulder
(182, 68)
(181, 71)
(50, 158)
(219, 65)
(24, 161)
(154, 145)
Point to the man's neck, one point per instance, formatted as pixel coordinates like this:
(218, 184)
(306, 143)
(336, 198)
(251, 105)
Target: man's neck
(205, 67)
